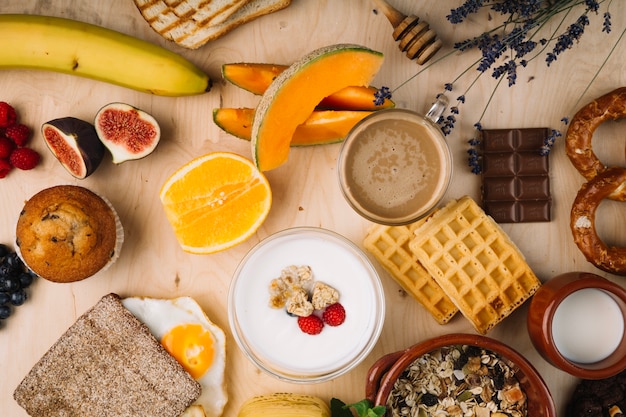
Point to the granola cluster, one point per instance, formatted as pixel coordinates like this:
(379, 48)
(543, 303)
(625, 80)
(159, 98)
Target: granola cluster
(297, 291)
(458, 381)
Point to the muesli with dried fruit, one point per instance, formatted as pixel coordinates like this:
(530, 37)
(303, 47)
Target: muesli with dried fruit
(459, 380)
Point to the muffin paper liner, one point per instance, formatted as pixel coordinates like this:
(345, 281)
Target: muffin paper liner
(119, 240)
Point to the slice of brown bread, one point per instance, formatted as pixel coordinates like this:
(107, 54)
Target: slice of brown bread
(107, 364)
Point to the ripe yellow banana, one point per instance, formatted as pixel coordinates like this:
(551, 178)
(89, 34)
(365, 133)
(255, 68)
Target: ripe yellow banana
(284, 405)
(72, 47)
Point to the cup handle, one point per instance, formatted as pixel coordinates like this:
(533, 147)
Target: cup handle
(436, 111)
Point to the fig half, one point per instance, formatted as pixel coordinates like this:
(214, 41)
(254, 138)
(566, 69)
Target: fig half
(127, 132)
(75, 143)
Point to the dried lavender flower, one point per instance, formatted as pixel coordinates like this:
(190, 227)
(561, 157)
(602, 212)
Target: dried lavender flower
(511, 45)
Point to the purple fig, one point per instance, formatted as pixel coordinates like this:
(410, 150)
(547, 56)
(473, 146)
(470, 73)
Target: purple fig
(75, 144)
(126, 131)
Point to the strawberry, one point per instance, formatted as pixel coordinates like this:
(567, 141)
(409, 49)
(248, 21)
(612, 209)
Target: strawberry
(5, 167)
(18, 133)
(24, 158)
(6, 147)
(8, 115)
(334, 315)
(310, 324)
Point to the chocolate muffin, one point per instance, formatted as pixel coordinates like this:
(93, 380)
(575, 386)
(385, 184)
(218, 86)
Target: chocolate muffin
(68, 233)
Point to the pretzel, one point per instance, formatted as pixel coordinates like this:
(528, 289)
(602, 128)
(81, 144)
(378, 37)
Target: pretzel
(609, 183)
(611, 106)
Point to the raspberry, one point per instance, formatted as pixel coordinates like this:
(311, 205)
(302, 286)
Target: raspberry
(8, 115)
(334, 315)
(6, 147)
(5, 167)
(18, 133)
(310, 324)
(24, 158)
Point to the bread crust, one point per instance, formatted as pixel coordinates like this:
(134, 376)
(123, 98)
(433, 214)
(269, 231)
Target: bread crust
(192, 29)
(107, 364)
(582, 220)
(602, 181)
(66, 233)
(610, 106)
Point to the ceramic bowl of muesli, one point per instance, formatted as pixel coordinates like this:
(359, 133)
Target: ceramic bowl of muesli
(458, 374)
(306, 305)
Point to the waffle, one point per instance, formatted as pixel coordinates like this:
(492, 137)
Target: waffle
(475, 263)
(389, 245)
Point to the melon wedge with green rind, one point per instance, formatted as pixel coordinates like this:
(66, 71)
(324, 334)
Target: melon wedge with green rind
(295, 93)
(320, 128)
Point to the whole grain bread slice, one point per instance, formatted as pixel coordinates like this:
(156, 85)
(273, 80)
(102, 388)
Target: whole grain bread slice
(107, 364)
(192, 33)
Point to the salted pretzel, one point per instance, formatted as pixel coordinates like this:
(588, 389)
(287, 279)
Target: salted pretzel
(578, 146)
(610, 182)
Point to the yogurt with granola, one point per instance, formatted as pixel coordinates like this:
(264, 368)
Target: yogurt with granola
(272, 339)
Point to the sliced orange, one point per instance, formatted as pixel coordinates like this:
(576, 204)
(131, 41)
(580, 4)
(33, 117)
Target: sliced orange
(215, 202)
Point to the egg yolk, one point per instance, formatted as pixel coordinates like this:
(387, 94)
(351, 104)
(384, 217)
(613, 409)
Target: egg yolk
(192, 346)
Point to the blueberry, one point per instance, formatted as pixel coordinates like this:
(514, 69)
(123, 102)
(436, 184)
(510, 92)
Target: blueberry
(25, 279)
(5, 270)
(5, 297)
(4, 250)
(5, 311)
(10, 283)
(14, 261)
(18, 298)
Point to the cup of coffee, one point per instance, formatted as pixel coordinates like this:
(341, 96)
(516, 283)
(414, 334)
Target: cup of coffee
(395, 165)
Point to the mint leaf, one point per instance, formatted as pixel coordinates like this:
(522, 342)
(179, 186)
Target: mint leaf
(339, 409)
(378, 411)
(362, 407)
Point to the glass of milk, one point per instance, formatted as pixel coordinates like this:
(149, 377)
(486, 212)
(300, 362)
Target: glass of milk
(577, 323)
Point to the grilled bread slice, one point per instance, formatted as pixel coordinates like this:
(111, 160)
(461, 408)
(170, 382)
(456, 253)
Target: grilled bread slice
(107, 364)
(165, 15)
(190, 25)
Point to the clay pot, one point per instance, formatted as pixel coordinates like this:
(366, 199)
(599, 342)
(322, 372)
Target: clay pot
(541, 313)
(385, 371)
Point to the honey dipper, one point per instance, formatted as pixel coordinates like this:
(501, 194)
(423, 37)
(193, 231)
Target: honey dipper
(415, 37)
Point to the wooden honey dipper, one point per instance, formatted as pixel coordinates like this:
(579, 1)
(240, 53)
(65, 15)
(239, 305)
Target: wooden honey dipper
(415, 37)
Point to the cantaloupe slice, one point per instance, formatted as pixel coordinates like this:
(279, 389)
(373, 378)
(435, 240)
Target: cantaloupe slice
(293, 95)
(320, 128)
(255, 78)
(252, 77)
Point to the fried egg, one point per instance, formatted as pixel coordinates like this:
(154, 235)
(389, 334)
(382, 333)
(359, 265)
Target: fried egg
(188, 335)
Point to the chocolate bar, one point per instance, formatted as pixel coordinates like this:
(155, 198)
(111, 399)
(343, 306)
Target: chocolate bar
(515, 177)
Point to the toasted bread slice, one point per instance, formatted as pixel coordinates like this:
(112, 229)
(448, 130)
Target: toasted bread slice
(107, 364)
(176, 15)
(189, 25)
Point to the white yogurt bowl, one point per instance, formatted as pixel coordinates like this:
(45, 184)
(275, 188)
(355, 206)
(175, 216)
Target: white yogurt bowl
(271, 338)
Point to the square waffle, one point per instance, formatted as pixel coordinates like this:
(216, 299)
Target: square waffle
(475, 262)
(390, 246)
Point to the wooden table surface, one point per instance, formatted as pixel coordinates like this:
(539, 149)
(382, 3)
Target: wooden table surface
(305, 190)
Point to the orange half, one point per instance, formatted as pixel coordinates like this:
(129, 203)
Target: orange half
(215, 202)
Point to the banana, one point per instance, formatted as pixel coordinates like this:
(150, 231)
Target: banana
(78, 48)
(284, 405)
